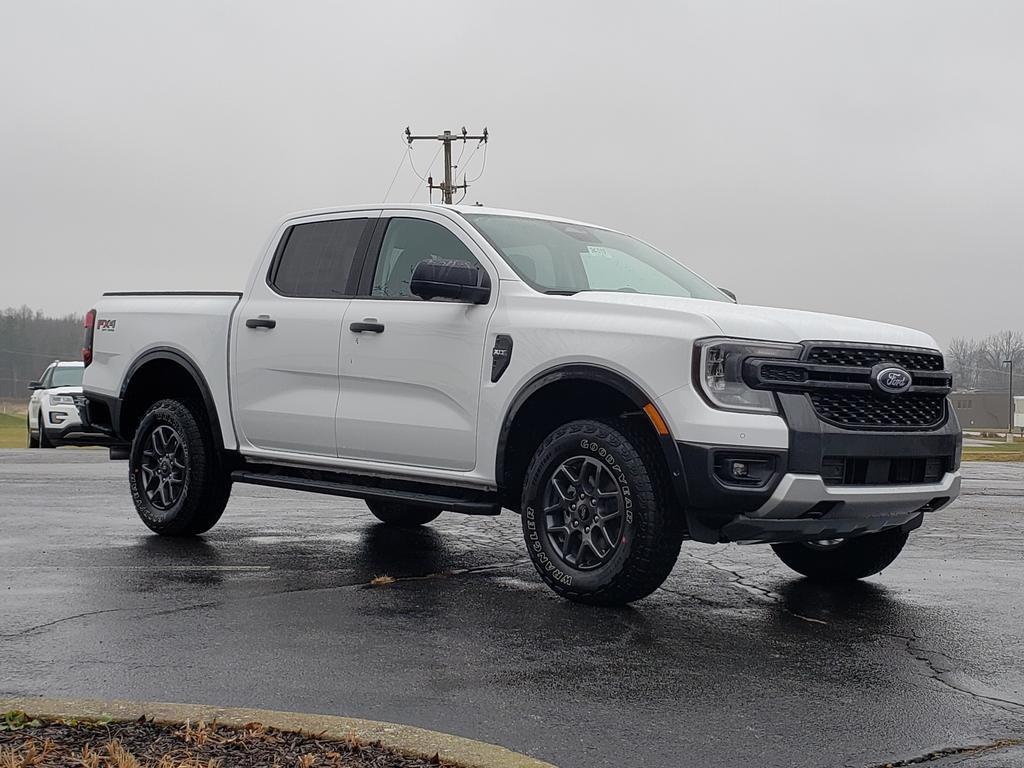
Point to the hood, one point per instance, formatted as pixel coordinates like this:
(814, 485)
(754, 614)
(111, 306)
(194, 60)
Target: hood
(773, 324)
(64, 391)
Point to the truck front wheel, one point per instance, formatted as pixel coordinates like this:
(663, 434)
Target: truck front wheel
(595, 513)
(843, 559)
(178, 483)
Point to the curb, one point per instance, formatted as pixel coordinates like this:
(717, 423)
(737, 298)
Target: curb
(405, 739)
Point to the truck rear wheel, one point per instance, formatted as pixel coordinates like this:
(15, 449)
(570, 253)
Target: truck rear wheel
(844, 559)
(402, 515)
(595, 514)
(178, 483)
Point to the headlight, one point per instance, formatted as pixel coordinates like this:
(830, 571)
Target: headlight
(720, 372)
(62, 400)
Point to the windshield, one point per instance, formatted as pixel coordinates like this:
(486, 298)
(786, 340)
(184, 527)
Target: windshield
(67, 376)
(558, 257)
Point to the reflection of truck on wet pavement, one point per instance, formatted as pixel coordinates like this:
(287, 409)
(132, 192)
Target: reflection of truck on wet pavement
(466, 359)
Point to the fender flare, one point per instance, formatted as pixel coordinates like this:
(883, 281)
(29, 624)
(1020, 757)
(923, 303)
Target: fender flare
(584, 372)
(189, 365)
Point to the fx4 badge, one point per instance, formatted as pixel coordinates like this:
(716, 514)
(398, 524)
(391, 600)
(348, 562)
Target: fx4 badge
(106, 325)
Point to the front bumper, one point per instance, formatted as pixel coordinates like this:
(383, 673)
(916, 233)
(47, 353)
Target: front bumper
(803, 507)
(795, 503)
(63, 425)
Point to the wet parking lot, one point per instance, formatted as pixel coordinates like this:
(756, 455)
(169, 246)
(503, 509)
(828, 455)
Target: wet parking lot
(735, 662)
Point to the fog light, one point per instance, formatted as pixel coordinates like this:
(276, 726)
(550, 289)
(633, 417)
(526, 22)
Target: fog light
(57, 418)
(751, 470)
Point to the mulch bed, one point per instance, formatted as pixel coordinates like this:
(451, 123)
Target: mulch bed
(144, 744)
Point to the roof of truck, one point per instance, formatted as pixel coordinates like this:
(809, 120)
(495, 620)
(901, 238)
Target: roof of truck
(436, 208)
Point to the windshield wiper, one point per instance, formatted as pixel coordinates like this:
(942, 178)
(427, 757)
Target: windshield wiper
(562, 292)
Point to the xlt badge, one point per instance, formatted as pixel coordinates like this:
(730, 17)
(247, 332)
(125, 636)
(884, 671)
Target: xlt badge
(501, 355)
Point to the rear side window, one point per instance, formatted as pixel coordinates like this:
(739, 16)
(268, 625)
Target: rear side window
(316, 260)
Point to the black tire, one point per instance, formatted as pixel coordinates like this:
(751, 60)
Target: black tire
(186, 494)
(44, 441)
(402, 515)
(637, 547)
(33, 440)
(846, 560)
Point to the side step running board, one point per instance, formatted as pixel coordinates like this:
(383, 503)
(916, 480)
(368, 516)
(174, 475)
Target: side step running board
(352, 490)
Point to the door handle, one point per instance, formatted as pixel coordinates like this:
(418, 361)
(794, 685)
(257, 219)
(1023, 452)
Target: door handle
(367, 326)
(260, 322)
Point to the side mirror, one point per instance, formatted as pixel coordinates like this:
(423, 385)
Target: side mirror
(449, 279)
(729, 293)
(34, 385)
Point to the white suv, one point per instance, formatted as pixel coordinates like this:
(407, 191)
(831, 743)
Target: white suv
(52, 410)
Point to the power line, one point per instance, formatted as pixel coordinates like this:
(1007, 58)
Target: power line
(422, 178)
(413, 165)
(482, 167)
(395, 177)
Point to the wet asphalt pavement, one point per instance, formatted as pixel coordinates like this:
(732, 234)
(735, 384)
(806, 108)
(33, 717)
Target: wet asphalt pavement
(736, 662)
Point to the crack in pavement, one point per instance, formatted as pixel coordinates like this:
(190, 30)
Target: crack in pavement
(741, 581)
(361, 584)
(37, 627)
(975, 749)
(946, 674)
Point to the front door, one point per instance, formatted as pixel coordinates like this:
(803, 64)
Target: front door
(288, 332)
(411, 377)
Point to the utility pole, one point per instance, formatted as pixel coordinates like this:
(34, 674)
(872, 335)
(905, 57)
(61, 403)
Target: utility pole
(1009, 432)
(448, 186)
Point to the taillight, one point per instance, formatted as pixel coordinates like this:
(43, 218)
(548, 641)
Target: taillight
(90, 329)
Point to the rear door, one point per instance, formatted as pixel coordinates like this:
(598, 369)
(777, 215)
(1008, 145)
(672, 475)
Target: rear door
(287, 335)
(411, 386)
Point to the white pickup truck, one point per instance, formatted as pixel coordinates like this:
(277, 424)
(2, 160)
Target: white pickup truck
(430, 359)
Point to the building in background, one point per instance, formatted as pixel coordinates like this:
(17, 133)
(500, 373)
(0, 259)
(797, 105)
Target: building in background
(982, 409)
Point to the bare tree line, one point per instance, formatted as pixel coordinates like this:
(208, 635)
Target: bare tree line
(30, 341)
(979, 364)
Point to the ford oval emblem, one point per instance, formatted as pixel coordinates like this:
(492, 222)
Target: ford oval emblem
(891, 379)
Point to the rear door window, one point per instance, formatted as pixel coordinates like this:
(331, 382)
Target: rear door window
(315, 260)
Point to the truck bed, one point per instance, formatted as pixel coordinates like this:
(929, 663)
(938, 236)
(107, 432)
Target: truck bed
(194, 324)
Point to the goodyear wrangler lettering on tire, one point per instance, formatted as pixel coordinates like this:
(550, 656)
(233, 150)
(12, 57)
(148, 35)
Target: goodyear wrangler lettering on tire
(593, 513)
(533, 542)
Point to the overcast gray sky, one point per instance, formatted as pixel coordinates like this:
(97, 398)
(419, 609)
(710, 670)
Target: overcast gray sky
(863, 158)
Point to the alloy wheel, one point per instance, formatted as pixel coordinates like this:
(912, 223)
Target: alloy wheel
(583, 513)
(163, 467)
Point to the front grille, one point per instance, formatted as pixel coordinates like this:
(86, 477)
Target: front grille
(840, 382)
(867, 409)
(867, 357)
